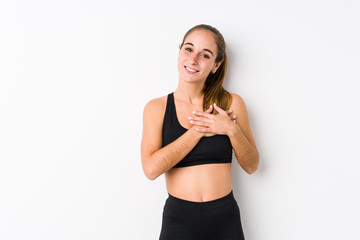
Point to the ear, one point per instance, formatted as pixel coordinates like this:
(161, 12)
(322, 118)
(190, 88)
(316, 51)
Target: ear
(216, 66)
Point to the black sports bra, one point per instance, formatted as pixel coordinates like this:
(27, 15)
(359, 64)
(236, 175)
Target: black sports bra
(215, 149)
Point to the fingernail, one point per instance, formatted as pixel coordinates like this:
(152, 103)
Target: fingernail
(193, 112)
(234, 116)
(189, 117)
(210, 106)
(191, 121)
(230, 111)
(215, 104)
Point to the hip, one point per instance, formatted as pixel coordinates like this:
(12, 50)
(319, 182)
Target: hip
(216, 219)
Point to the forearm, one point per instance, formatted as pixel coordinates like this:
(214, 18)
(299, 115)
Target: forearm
(246, 154)
(165, 158)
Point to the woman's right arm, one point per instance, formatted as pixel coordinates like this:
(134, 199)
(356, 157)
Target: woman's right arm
(157, 159)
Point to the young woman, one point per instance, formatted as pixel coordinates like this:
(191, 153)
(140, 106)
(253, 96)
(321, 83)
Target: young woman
(190, 134)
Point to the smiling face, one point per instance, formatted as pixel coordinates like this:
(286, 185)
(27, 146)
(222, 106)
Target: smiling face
(197, 56)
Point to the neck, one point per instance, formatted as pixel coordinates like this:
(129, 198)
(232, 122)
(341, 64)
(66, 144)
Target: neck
(190, 92)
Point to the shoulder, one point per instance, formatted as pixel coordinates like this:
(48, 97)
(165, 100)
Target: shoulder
(237, 102)
(155, 106)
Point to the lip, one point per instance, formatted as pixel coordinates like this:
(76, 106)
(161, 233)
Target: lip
(191, 72)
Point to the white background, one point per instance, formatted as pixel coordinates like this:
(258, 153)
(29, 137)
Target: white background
(75, 76)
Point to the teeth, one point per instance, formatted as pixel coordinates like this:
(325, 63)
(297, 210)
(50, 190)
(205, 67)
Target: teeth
(191, 70)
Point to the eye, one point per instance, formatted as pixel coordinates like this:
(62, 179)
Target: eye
(205, 56)
(188, 49)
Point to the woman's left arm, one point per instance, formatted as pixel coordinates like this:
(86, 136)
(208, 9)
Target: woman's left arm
(241, 137)
(238, 131)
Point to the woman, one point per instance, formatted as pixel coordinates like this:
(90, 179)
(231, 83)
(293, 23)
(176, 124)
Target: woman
(189, 136)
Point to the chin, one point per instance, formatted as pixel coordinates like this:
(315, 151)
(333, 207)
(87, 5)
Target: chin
(191, 80)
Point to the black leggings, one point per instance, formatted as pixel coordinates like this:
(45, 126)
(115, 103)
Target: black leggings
(214, 220)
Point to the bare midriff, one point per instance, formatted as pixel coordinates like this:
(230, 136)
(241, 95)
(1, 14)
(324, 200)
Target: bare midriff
(199, 183)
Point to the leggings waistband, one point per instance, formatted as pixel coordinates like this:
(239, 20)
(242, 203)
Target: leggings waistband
(208, 204)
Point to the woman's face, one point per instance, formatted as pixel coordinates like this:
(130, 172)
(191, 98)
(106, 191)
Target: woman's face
(197, 56)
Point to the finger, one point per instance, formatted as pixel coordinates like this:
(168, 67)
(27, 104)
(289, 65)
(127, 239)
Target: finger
(199, 123)
(203, 129)
(228, 112)
(220, 110)
(202, 114)
(203, 119)
(210, 109)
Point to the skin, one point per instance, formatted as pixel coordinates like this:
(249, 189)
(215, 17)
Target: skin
(202, 182)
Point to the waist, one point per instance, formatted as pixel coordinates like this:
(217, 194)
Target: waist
(199, 183)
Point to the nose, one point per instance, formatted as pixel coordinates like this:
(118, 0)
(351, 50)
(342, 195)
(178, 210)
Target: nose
(193, 59)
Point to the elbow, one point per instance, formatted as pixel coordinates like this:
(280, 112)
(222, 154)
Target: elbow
(150, 168)
(150, 172)
(250, 170)
(150, 176)
(253, 167)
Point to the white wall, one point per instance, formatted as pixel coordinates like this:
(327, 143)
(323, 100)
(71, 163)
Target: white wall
(75, 76)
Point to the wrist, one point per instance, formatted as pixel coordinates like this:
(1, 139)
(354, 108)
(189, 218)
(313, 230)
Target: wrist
(192, 130)
(233, 130)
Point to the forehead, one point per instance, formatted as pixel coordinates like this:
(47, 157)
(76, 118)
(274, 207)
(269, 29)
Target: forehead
(202, 39)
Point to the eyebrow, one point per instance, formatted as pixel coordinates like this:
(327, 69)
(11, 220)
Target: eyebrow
(205, 49)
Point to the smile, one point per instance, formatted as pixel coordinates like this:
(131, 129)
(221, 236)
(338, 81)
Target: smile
(191, 70)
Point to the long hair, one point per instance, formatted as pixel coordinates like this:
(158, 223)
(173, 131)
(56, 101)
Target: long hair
(213, 90)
